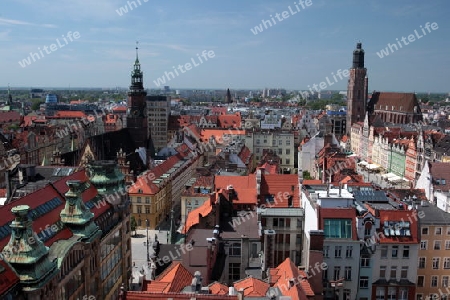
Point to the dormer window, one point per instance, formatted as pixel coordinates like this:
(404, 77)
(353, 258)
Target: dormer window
(139, 191)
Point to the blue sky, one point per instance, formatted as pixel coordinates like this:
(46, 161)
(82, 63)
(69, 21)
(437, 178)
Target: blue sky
(301, 50)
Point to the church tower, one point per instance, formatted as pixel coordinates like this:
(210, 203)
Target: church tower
(136, 112)
(357, 91)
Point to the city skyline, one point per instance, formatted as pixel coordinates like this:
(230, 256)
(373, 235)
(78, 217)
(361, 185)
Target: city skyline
(291, 45)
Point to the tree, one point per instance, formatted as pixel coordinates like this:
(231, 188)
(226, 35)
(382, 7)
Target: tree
(133, 225)
(36, 104)
(306, 175)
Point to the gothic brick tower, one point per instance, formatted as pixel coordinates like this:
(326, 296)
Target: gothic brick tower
(357, 91)
(137, 113)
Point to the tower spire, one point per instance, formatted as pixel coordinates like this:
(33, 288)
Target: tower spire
(9, 95)
(137, 54)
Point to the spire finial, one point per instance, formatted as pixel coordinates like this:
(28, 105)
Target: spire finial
(137, 48)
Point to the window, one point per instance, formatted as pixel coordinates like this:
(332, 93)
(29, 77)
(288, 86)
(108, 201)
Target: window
(347, 294)
(444, 281)
(420, 281)
(403, 293)
(338, 228)
(348, 273)
(365, 262)
(235, 249)
(139, 209)
(288, 151)
(288, 142)
(138, 199)
(298, 239)
(147, 200)
(349, 251)
(364, 282)
(422, 262)
(448, 230)
(325, 274)
(337, 271)
(436, 261)
(326, 250)
(234, 271)
(434, 281)
(280, 151)
(393, 272)
(446, 262)
(394, 251)
(288, 161)
(423, 245)
(404, 272)
(425, 230)
(147, 210)
(382, 271)
(392, 293)
(438, 231)
(419, 297)
(405, 251)
(299, 223)
(447, 245)
(380, 293)
(384, 251)
(280, 142)
(337, 251)
(437, 245)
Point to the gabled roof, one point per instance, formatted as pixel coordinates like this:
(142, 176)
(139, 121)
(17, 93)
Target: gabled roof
(400, 102)
(280, 276)
(216, 288)
(173, 280)
(252, 287)
(244, 186)
(195, 215)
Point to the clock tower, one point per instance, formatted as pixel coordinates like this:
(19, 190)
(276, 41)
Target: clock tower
(136, 108)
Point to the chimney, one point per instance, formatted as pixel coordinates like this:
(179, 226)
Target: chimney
(340, 189)
(328, 189)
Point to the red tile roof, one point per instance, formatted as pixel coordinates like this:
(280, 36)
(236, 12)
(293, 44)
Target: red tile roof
(175, 296)
(8, 278)
(280, 185)
(216, 288)
(145, 181)
(227, 121)
(280, 276)
(70, 114)
(9, 116)
(173, 280)
(43, 195)
(252, 287)
(244, 186)
(195, 215)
